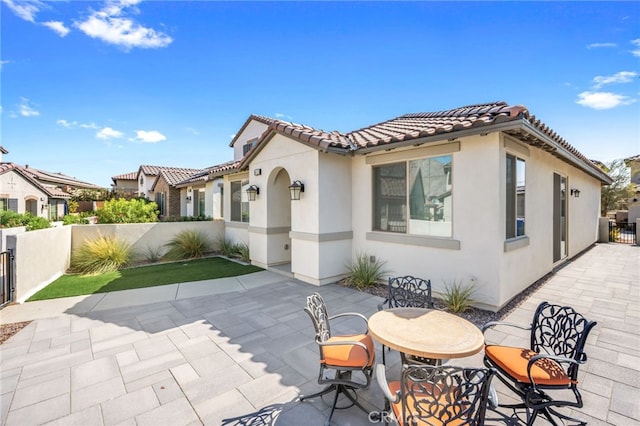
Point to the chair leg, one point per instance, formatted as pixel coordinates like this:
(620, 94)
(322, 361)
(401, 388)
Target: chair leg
(324, 391)
(384, 361)
(354, 400)
(333, 406)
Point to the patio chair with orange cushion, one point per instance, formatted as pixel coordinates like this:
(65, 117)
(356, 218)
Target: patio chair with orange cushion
(436, 395)
(346, 361)
(542, 373)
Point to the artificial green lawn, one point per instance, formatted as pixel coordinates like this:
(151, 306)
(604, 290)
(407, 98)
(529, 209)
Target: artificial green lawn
(144, 276)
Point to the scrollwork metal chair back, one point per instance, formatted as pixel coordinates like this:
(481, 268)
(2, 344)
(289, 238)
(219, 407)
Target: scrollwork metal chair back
(560, 331)
(440, 395)
(409, 291)
(317, 310)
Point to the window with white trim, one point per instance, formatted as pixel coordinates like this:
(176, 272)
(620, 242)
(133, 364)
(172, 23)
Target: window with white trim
(414, 197)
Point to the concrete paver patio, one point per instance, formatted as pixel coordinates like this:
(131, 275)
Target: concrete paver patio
(241, 350)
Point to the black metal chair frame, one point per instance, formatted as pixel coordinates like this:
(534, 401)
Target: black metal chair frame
(441, 395)
(342, 382)
(558, 333)
(408, 292)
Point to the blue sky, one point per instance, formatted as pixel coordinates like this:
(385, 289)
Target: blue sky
(95, 89)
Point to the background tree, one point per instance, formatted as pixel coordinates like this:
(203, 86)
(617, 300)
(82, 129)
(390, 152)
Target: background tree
(615, 196)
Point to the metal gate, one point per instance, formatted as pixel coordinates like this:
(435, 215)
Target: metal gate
(623, 232)
(6, 277)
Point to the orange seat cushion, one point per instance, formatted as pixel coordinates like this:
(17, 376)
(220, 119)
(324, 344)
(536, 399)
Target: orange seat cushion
(513, 361)
(349, 355)
(417, 400)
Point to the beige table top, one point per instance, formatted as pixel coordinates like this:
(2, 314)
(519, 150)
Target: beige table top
(426, 332)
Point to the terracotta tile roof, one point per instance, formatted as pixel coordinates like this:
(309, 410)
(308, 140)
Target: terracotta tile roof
(58, 178)
(125, 176)
(173, 175)
(210, 173)
(634, 158)
(423, 127)
(50, 190)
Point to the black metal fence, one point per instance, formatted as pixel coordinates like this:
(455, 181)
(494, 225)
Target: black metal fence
(622, 232)
(6, 277)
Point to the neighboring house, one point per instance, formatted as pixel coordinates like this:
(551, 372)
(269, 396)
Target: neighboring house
(203, 193)
(147, 175)
(45, 194)
(126, 183)
(483, 194)
(634, 202)
(168, 196)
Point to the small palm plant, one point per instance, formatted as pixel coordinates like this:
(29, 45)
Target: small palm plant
(187, 245)
(100, 255)
(365, 271)
(457, 296)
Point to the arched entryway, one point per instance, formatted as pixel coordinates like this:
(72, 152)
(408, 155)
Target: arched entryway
(279, 220)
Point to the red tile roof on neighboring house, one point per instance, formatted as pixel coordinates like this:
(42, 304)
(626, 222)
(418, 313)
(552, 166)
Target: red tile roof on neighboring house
(173, 175)
(209, 173)
(50, 190)
(125, 176)
(414, 129)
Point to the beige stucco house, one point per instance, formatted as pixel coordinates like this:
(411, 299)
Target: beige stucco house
(634, 202)
(482, 193)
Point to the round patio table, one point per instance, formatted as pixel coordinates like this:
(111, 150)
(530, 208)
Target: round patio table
(426, 333)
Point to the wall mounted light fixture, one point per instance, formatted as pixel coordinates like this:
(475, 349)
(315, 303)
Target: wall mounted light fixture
(188, 198)
(295, 189)
(252, 191)
(575, 192)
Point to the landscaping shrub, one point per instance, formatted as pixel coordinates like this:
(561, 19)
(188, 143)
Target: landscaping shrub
(120, 210)
(36, 222)
(11, 219)
(153, 254)
(100, 255)
(457, 296)
(226, 246)
(242, 250)
(187, 245)
(364, 272)
(75, 219)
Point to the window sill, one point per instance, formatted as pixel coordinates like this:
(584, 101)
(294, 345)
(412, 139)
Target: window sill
(414, 240)
(515, 243)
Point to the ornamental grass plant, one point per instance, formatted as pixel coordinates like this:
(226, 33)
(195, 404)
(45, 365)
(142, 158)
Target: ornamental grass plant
(187, 244)
(100, 255)
(365, 271)
(457, 296)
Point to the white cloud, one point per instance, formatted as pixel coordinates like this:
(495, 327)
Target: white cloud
(151, 136)
(280, 115)
(65, 123)
(26, 110)
(636, 52)
(603, 100)
(3, 63)
(74, 124)
(619, 77)
(112, 25)
(599, 45)
(108, 133)
(192, 131)
(58, 27)
(26, 10)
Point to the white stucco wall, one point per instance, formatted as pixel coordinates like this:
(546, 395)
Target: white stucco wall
(145, 236)
(41, 257)
(13, 185)
(476, 244)
(253, 130)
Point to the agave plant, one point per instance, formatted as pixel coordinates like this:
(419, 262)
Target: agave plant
(365, 271)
